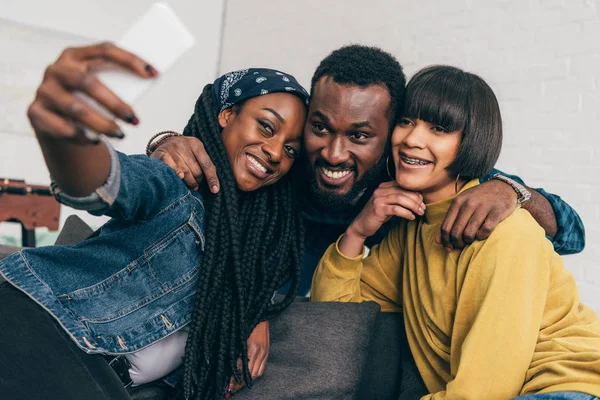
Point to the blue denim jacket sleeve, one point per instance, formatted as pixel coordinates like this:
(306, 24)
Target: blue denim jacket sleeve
(570, 237)
(137, 188)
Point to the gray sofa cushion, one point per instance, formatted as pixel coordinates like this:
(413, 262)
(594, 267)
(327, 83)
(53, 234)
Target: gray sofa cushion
(74, 231)
(7, 250)
(390, 372)
(318, 351)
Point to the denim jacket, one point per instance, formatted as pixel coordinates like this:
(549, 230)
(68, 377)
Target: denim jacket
(133, 282)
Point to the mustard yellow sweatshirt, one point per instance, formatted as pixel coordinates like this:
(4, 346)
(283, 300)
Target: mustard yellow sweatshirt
(500, 318)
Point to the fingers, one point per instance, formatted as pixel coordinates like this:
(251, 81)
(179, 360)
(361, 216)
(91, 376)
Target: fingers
(207, 168)
(474, 225)
(261, 368)
(486, 229)
(46, 122)
(466, 222)
(170, 161)
(73, 78)
(233, 384)
(389, 210)
(448, 224)
(253, 359)
(397, 203)
(190, 170)
(257, 356)
(65, 103)
(460, 223)
(416, 199)
(110, 52)
(257, 363)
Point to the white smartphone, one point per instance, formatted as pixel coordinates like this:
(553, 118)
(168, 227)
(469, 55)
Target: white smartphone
(160, 38)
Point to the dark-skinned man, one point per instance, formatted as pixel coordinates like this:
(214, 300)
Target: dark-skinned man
(355, 93)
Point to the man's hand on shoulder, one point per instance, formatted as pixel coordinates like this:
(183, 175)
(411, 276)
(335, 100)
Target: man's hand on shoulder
(475, 213)
(188, 158)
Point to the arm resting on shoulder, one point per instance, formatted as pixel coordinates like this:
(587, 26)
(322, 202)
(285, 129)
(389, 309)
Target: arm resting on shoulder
(561, 222)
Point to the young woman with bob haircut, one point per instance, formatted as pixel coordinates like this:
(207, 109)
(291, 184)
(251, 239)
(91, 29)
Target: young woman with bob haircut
(500, 318)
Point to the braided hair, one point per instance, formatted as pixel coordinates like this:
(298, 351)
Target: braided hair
(254, 244)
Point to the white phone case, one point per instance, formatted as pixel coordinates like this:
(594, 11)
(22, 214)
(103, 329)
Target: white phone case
(160, 38)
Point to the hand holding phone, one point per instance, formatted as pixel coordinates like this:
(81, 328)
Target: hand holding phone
(58, 110)
(160, 38)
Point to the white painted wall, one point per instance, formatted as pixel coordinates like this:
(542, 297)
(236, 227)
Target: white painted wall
(542, 58)
(32, 35)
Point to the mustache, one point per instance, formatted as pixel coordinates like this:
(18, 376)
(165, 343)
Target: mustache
(339, 167)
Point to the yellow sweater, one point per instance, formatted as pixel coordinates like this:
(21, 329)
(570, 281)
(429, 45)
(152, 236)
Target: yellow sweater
(498, 319)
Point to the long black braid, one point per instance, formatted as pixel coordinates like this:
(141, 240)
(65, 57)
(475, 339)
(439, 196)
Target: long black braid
(254, 243)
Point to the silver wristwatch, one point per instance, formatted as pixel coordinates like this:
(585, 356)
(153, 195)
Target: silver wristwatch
(523, 194)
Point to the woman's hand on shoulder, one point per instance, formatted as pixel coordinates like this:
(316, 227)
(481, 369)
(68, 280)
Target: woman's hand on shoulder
(189, 159)
(57, 112)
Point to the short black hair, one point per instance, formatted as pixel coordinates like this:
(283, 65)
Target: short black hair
(459, 100)
(364, 66)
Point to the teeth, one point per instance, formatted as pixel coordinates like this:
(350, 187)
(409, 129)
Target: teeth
(335, 174)
(413, 161)
(256, 164)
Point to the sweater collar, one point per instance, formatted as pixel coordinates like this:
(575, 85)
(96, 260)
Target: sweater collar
(435, 212)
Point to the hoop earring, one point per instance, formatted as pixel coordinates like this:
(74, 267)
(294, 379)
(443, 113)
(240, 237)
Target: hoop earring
(387, 168)
(456, 183)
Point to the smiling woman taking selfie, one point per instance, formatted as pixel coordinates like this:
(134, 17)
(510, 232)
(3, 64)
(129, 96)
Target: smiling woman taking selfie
(498, 319)
(175, 273)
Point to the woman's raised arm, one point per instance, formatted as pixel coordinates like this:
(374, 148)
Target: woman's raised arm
(59, 118)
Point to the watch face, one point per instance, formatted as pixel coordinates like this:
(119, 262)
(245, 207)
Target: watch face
(525, 196)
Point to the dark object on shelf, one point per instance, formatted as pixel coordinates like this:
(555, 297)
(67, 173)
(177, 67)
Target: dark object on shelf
(32, 206)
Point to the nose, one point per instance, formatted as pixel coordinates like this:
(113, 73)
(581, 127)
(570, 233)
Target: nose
(273, 150)
(416, 137)
(335, 151)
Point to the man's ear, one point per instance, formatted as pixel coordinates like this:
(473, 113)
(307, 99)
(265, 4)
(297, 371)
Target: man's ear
(226, 116)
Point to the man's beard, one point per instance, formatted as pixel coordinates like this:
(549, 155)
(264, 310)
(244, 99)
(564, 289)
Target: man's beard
(336, 202)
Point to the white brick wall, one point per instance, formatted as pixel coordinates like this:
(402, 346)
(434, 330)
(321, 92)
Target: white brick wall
(542, 57)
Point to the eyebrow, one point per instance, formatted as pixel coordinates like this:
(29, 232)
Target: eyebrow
(320, 115)
(275, 113)
(362, 124)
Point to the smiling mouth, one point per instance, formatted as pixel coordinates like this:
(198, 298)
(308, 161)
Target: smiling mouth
(256, 165)
(414, 161)
(335, 174)
(335, 177)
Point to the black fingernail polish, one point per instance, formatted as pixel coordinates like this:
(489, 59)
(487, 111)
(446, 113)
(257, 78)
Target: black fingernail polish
(119, 134)
(151, 70)
(132, 119)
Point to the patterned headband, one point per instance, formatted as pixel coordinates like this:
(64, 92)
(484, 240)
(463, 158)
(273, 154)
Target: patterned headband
(237, 86)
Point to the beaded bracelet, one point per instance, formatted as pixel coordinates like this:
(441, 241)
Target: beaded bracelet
(150, 147)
